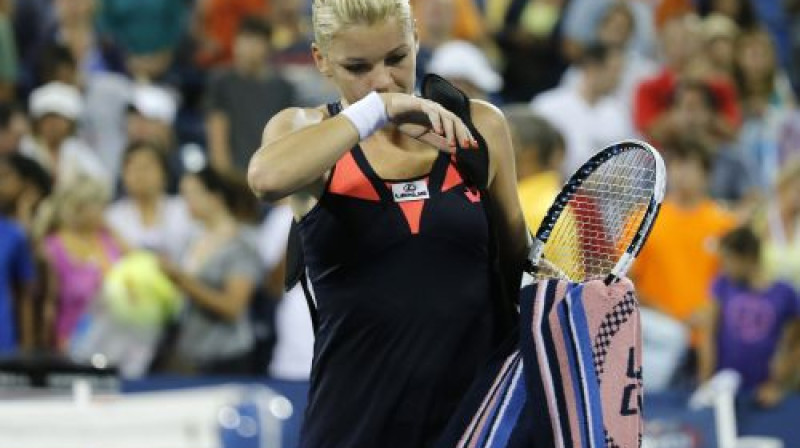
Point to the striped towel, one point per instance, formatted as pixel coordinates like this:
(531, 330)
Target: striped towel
(573, 380)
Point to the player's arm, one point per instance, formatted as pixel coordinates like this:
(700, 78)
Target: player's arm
(512, 231)
(299, 146)
(707, 350)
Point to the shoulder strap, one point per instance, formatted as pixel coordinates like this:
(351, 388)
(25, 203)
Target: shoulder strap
(473, 165)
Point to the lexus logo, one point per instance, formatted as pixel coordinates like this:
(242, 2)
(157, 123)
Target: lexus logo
(409, 188)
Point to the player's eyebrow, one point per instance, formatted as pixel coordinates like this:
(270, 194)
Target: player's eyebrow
(398, 49)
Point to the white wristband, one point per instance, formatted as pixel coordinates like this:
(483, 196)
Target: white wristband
(367, 114)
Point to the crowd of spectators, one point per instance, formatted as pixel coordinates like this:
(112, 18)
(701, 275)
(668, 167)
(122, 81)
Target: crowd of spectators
(127, 125)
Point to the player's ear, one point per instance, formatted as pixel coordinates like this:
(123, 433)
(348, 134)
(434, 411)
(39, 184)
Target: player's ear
(321, 60)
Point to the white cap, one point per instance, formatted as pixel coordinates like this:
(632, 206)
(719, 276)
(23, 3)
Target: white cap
(56, 98)
(154, 102)
(462, 60)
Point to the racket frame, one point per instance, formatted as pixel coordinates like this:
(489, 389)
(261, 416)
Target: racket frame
(535, 255)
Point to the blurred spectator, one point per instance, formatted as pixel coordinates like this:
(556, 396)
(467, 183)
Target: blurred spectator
(147, 217)
(530, 45)
(760, 80)
(680, 40)
(151, 115)
(539, 151)
(442, 20)
(74, 28)
(719, 35)
(463, 64)
(586, 114)
(749, 315)
(13, 126)
(694, 115)
(624, 21)
(617, 28)
(31, 18)
(778, 223)
(219, 275)
(23, 186)
(674, 271)
(215, 26)
(17, 272)
(56, 109)
(242, 99)
(149, 31)
(8, 52)
(767, 102)
(740, 11)
(78, 249)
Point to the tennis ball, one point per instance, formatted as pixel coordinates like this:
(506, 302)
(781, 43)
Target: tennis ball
(137, 292)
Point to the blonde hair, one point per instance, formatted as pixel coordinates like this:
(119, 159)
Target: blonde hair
(330, 16)
(59, 208)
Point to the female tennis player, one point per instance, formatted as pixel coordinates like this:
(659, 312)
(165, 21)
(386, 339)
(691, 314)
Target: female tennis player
(395, 244)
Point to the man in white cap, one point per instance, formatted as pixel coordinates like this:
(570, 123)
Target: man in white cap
(56, 109)
(463, 64)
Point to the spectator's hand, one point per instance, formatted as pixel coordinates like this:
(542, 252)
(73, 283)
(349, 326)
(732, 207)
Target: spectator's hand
(170, 269)
(769, 394)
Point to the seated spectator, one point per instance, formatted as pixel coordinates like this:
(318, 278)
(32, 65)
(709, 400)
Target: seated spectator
(719, 37)
(147, 217)
(618, 26)
(13, 126)
(242, 99)
(778, 225)
(694, 114)
(463, 64)
(539, 156)
(23, 186)
(78, 249)
(675, 269)
(585, 114)
(151, 115)
(219, 275)
(680, 42)
(767, 103)
(17, 277)
(56, 109)
(749, 316)
(74, 28)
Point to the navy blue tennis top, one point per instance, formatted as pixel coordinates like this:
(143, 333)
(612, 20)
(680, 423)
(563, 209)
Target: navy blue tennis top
(401, 276)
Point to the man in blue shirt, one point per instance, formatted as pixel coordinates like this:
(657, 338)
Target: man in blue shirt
(16, 280)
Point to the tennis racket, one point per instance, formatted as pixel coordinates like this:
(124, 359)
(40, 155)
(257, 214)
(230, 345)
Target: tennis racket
(600, 220)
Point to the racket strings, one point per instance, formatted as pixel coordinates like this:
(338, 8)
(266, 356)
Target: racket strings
(601, 219)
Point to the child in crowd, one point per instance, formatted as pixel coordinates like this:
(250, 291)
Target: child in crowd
(750, 316)
(79, 250)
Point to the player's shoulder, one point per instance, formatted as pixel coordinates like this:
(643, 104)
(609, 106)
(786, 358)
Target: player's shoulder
(294, 118)
(487, 117)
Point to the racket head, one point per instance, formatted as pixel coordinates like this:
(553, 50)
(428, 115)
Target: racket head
(600, 220)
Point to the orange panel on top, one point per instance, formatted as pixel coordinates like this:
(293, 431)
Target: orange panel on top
(349, 180)
(452, 178)
(412, 210)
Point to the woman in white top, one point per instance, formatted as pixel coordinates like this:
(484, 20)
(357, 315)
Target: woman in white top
(147, 217)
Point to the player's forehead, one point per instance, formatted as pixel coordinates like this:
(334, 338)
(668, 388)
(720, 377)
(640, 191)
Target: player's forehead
(370, 42)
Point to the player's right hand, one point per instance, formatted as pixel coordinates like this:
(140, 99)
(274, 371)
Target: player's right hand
(427, 121)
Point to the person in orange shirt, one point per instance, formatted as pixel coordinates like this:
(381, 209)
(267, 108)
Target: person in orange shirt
(675, 269)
